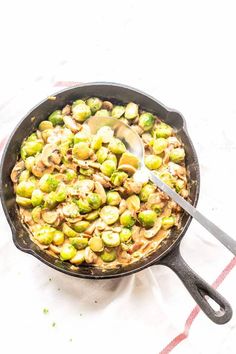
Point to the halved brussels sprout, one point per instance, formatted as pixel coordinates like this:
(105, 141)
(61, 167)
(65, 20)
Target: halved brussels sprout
(78, 258)
(86, 172)
(168, 222)
(111, 239)
(92, 216)
(147, 218)
(48, 183)
(30, 148)
(133, 203)
(112, 157)
(96, 244)
(108, 167)
(153, 162)
(94, 200)
(118, 178)
(106, 133)
(24, 176)
(162, 130)
(36, 213)
(177, 155)
(127, 219)
(179, 185)
(56, 118)
(94, 104)
(118, 111)
(102, 113)
(68, 251)
(70, 175)
(50, 200)
(108, 255)
(146, 121)
(125, 234)
(96, 142)
(37, 197)
(71, 210)
(45, 235)
(102, 154)
(81, 112)
(82, 137)
(113, 198)
(146, 191)
(24, 202)
(131, 110)
(167, 178)
(68, 231)
(159, 145)
(79, 242)
(84, 206)
(61, 194)
(109, 214)
(81, 151)
(129, 159)
(25, 189)
(116, 146)
(45, 124)
(58, 238)
(80, 226)
(29, 163)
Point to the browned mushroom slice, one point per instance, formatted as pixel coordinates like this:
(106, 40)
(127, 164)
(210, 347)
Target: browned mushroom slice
(66, 110)
(132, 187)
(18, 168)
(136, 233)
(90, 256)
(130, 170)
(135, 246)
(172, 140)
(105, 181)
(154, 230)
(107, 105)
(122, 206)
(101, 191)
(147, 138)
(50, 155)
(71, 124)
(137, 129)
(55, 249)
(49, 216)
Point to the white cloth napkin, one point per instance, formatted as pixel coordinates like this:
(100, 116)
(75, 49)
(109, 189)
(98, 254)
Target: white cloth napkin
(150, 312)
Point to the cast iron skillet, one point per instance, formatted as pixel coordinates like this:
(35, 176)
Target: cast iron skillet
(168, 254)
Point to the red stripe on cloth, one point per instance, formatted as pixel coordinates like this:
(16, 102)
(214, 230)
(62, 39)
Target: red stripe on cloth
(66, 83)
(178, 339)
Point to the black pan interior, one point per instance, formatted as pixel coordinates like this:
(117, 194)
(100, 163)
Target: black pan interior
(116, 93)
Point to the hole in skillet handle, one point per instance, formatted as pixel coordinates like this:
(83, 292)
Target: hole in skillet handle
(203, 293)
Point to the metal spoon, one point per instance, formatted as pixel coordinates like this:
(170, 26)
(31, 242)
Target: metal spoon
(134, 144)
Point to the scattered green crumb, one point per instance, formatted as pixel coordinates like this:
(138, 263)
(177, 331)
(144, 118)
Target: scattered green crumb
(54, 324)
(45, 311)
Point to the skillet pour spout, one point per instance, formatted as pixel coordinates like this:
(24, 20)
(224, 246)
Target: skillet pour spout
(168, 253)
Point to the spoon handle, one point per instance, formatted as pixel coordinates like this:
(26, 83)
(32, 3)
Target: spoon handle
(221, 236)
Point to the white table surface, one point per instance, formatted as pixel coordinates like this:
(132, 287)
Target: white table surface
(183, 53)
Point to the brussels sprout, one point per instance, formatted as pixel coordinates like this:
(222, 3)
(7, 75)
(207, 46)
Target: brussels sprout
(159, 145)
(32, 137)
(56, 118)
(146, 121)
(81, 151)
(117, 178)
(131, 110)
(80, 226)
(50, 200)
(78, 258)
(70, 175)
(23, 153)
(157, 209)
(46, 134)
(179, 185)
(111, 239)
(36, 213)
(76, 102)
(102, 154)
(167, 222)
(92, 216)
(109, 214)
(68, 231)
(45, 235)
(106, 133)
(112, 157)
(86, 172)
(24, 176)
(25, 189)
(113, 198)
(29, 163)
(24, 202)
(71, 210)
(146, 191)
(81, 112)
(49, 216)
(153, 162)
(125, 234)
(96, 142)
(102, 113)
(96, 244)
(45, 124)
(94, 200)
(58, 238)
(30, 148)
(94, 104)
(118, 111)
(84, 206)
(177, 155)
(48, 183)
(61, 194)
(133, 203)
(67, 252)
(79, 242)
(108, 167)
(167, 178)
(129, 159)
(116, 146)
(37, 197)
(82, 136)
(108, 255)
(162, 130)
(127, 219)
(147, 218)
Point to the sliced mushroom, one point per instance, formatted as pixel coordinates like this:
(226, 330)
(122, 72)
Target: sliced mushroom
(124, 257)
(18, 168)
(146, 137)
(105, 182)
(49, 216)
(136, 233)
(132, 187)
(177, 170)
(107, 105)
(128, 169)
(137, 129)
(166, 157)
(172, 140)
(135, 246)
(55, 249)
(66, 110)
(101, 191)
(90, 256)
(154, 230)
(122, 206)
(50, 154)
(154, 198)
(71, 124)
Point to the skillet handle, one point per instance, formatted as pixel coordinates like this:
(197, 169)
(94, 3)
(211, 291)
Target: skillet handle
(198, 288)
